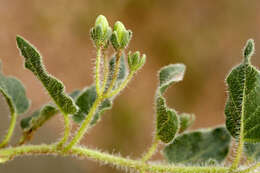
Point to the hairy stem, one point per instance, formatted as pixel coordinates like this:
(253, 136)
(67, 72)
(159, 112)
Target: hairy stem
(10, 130)
(118, 161)
(151, 151)
(97, 76)
(106, 74)
(121, 86)
(115, 73)
(66, 131)
(84, 126)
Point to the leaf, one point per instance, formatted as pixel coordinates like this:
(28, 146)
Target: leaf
(14, 93)
(199, 147)
(38, 118)
(252, 151)
(41, 116)
(186, 121)
(85, 101)
(243, 104)
(167, 123)
(33, 62)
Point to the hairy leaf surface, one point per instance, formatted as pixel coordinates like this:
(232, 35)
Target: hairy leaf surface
(243, 104)
(167, 122)
(33, 62)
(14, 93)
(85, 101)
(186, 121)
(252, 151)
(199, 147)
(42, 115)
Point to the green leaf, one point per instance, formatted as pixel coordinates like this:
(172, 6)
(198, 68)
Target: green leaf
(186, 121)
(85, 101)
(33, 62)
(14, 93)
(167, 121)
(199, 147)
(243, 104)
(38, 118)
(252, 151)
(41, 116)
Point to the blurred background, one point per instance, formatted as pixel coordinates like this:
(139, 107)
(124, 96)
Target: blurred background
(207, 36)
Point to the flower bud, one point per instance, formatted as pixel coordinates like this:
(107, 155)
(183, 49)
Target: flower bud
(135, 62)
(120, 37)
(101, 31)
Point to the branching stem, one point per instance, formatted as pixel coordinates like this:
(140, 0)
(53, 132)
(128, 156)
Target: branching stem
(66, 131)
(10, 153)
(121, 86)
(84, 126)
(10, 130)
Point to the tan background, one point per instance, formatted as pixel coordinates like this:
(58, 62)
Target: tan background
(207, 36)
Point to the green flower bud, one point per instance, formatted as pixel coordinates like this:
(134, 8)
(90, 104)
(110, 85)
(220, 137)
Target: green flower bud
(186, 120)
(101, 32)
(120, 37)
(135, 61)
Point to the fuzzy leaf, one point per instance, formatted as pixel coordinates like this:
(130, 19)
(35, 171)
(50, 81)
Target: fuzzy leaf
(14, 93)
(55, 88)
(243, 105)
(199, 147)
(186, 121)
(252, 151)
(85, 101)
(38, 118)
(42, 115)
(167, 122)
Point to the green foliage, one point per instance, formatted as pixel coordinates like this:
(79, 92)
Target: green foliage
(242, 107)
(14, 92)
(199, 147)
(186, 121)
(85, 101)
(204, 150)
(33, 62)
(167, 121)
(38, 118)
(41, 116)
(252, 151)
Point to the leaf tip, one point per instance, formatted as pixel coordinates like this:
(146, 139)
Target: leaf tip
(249, 50)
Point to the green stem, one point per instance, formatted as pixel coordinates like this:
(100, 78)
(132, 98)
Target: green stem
(10, 130)
(119, 162)
(106, 74)
(97, 77)
(115, 73)
(66, 131)
(151, 151)
(84, 126)
(121, 86)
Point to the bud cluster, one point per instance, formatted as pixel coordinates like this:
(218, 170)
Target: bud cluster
(135, 61)
(102, 34)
